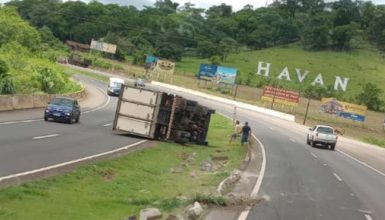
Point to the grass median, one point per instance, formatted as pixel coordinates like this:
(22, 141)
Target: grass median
(115, 189)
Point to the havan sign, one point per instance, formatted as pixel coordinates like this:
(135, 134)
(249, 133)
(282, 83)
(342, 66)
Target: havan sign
(264, 70)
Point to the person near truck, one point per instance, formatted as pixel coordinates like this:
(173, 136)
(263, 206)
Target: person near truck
(246, 133)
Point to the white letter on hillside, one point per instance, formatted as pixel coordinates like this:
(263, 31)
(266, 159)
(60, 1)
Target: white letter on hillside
(342, 84)
(265, 69)
(301, 77)
(318, 80)
(285, 73)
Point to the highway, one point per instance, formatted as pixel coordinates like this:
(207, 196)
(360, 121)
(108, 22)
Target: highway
(34, 144)
(300, 182)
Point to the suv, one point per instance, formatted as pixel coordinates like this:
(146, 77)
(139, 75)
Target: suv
(323, 135)
(63, 109)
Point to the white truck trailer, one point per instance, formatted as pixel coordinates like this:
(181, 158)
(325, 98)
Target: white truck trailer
(162, 116)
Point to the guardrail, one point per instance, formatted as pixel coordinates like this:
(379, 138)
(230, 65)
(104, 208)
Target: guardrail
(28, 101)
(266, 111)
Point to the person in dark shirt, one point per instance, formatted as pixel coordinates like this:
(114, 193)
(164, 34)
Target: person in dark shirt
(246, 133)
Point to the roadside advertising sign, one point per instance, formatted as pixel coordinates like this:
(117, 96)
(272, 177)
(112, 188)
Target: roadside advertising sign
(159, 67)
(343, 109)
(217, 74)
(281, 96)
(101, 46)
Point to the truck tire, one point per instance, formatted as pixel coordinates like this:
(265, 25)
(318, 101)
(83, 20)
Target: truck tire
(332, 146)
(307, 140)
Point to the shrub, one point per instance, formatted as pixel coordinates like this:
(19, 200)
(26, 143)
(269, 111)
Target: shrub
(7, 86)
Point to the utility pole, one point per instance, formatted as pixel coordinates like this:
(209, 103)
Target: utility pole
(307, 110)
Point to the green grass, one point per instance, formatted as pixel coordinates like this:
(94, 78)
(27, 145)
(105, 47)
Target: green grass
(121, 187)
(366, 65)
(375, 141)
(361, 66)
(72, 71)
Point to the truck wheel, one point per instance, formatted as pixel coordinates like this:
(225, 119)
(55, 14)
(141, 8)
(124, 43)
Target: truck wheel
(45, 118)
(77, 119)
(307, 140)
(332, 146)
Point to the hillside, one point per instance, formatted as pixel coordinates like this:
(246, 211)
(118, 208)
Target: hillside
(360, 66)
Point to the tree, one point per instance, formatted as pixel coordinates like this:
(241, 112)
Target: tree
(13, 28)
(315, 35)
(6, 83)
(341, 36)
(370, 96)
(3, 68)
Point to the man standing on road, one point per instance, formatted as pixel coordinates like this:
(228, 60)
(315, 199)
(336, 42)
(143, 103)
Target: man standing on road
(246, 133)
(236, 132)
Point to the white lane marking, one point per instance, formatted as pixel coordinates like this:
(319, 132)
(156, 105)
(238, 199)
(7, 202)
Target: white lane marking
(254, 192)
(106, 125)
(361, 162)
(315, 156)
(292, 140)
(85, 112)
(69, 162)
(45, 136)
(338, 177)
(368, 217)
(258, 184)
(365, 211)
(16, 122)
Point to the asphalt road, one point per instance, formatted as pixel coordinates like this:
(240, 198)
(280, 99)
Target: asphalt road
(300, 182)
(26, 146)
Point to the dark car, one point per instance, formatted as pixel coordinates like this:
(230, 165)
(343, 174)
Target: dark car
(63, 109)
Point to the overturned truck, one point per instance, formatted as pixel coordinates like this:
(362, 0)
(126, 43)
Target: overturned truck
(161, 116)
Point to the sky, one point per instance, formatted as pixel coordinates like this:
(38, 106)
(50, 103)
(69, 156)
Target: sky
(237, 4)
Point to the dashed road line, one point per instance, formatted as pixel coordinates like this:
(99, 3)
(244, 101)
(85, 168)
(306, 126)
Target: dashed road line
(361, 162)
(368, 217)
(107, 125)
(292, 140)
(45, 136)
(338, 177)
(85, 112)
(315, 156)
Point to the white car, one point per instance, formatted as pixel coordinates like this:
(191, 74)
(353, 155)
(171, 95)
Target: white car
(322, 135)
(114, 86)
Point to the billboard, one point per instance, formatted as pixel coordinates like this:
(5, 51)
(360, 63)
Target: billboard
(217, 74)
(158, 67)
(101, 46)
(281, 96)
(343, 109)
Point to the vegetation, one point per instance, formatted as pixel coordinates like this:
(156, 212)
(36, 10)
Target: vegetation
(174, 31)
(27, 59)
(119, 188)
(171, 30)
